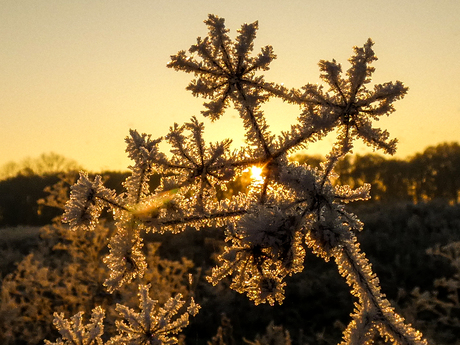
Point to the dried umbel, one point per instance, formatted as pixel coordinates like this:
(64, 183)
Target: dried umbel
(290, 209)
(152, 325)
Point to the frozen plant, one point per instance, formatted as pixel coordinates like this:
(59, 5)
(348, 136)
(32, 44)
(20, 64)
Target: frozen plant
(153, 325)
(291, 209)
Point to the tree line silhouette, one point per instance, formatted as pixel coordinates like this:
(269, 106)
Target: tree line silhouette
(432, 174)
(45, 164)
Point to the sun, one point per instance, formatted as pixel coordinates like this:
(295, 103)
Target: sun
(256, 174)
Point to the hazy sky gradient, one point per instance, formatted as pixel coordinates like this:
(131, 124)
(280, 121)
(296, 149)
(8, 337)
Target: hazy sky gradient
(77, 75)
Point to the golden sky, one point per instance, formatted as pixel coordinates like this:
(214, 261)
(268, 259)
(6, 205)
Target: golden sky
(77, 75)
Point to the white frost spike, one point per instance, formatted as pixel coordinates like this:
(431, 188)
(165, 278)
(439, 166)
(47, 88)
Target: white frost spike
(351, 103)
(125, 260)
(141, 149)
(87, 200)
(153, 324)
(225, 67)
(346, 194)
(74, 332)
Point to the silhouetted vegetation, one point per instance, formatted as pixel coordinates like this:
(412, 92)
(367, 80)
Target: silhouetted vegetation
(18, 200)
(433, 174)
(19, 196)
(45, 164)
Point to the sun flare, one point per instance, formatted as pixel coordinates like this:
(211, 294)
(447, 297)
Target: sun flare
(256, 174)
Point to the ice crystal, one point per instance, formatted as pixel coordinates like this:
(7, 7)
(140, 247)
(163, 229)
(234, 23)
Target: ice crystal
(351, 104)
(74, 332)
(195, 167)
(225, 70)
(126, 260)
(153, 324)
(265, 247)
(87, 200)
(144, 152)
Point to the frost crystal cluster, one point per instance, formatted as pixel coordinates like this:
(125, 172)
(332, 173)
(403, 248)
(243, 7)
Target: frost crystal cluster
(153, 325)
(293, 208)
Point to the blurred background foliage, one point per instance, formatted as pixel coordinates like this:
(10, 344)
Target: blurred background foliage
(411, 236)
(433, 174)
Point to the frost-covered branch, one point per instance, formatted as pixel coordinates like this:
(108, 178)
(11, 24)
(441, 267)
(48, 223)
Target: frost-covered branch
(291, 209)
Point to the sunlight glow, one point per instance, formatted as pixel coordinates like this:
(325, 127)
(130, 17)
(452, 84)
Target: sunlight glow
(256, 174)
(153, 204)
